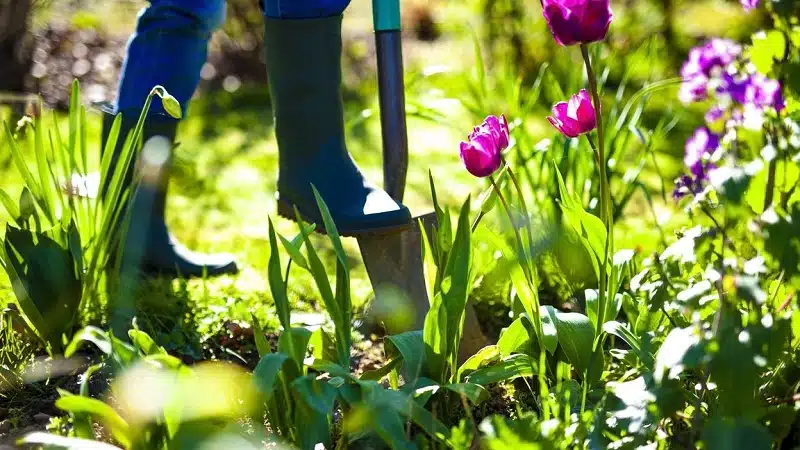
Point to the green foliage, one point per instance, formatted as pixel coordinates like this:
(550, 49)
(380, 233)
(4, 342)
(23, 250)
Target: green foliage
(60, 245)
(445, 320)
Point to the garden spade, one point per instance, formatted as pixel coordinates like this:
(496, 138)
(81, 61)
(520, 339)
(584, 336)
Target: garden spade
(394, 261)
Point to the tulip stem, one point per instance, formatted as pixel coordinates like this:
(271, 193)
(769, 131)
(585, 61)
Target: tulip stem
(524, 207)
(605, 196)
(521, 253)
(522, 259)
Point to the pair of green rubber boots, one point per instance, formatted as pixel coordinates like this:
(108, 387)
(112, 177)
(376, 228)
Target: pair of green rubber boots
(304, 73)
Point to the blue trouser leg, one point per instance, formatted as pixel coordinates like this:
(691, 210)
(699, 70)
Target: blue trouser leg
(170, 44)
(303, 9)
(169, 47)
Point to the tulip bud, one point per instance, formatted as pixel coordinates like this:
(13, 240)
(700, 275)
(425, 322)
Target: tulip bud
(482, 155)
(575, 117)
(171, 105)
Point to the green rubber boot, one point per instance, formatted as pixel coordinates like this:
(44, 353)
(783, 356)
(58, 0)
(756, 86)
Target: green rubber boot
(161, 254)
(304, 69)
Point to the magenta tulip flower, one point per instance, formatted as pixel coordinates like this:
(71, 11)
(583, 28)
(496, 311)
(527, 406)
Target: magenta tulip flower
(749, 4)
(482, 155)
(575, 117)
(577, 21)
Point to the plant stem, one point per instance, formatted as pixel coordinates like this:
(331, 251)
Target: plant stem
(768, 196)
(507, 208)
(524, 208)
(521, 255)
(605, 197)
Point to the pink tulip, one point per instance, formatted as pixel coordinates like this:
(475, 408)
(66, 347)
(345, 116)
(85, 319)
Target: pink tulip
(575, 117)
(577, 21)
(482, 155)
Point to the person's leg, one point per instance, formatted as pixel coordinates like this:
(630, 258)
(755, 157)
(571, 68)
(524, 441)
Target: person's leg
(168, 48)
(303, 54)
(304, 9)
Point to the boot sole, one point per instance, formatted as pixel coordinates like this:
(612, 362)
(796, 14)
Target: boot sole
(286, 210)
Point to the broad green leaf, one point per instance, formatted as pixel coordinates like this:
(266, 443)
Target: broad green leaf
(549, 327)
(49, 287)
(164, 361)
(122, 353)
(409, 408)
(323, 345)
(276, 282)
(411, 348)
(293, 247)
(99, 411)
(441, 340)
(262, 345)
(379, 373)
(82, 423)
(621, 331)
(390, 426)
(317, 394)
(515, 339)
(502, 433)
(19, 162)
(636, 399)
(586, 228)
(423, 390)
(647, 320)
(27, 204)
(145, 343)
(434, 339)
(767, 49)
(294, 342)
(11, 207)
(576, 337)
(592, 305)
(51, 441)
(267, 371)
(724, 433)
(508, 369)
(528, 294)
(475, 393)
(331, 368)
(679, 343)
(309, 427)
(486, 355)
(342, 326)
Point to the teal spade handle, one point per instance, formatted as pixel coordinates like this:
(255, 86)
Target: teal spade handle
(391, 92)
(386, 15)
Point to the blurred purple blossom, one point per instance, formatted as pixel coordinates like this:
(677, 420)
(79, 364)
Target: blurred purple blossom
(713, 54)
(699, 149)
(755, 89)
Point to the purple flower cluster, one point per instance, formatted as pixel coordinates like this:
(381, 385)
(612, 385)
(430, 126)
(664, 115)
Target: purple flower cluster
(713, 68)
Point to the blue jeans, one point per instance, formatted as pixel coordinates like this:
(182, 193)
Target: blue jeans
(170, 45)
